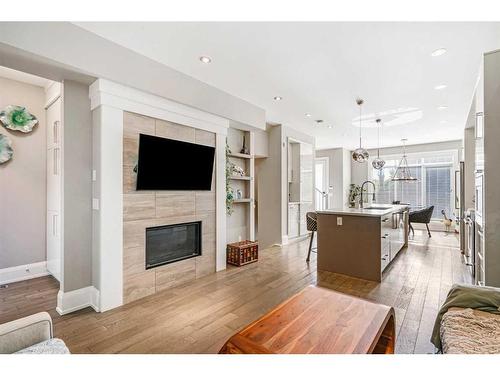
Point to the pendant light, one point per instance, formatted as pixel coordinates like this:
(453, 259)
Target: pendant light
(403, 171)
(378, 163)
(360, 154)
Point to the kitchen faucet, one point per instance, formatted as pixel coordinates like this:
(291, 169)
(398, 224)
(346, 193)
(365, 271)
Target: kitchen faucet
(362, 188)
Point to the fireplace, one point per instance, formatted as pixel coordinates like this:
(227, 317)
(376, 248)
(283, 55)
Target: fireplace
(172, 243)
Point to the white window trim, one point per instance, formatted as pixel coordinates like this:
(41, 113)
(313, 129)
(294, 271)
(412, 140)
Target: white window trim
(454, 165)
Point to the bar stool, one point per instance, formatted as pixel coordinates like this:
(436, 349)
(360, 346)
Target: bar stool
(312, 225)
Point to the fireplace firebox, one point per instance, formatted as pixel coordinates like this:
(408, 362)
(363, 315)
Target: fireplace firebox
(172, 243)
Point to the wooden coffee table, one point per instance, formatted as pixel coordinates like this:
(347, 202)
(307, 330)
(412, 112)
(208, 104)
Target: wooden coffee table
(321, 321)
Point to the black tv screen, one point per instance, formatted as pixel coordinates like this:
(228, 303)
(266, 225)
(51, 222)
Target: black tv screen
(165, 164)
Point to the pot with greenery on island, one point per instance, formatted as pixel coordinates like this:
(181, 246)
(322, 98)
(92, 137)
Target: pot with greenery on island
(354, 193)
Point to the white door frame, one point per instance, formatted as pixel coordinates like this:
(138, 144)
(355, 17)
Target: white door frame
(326, 165)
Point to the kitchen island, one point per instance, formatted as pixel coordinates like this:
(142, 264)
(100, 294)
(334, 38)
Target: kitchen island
(361, 242)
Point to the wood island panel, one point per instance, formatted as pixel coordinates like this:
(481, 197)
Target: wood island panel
(352, 248)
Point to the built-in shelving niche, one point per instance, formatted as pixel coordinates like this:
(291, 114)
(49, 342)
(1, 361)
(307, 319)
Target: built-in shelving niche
(241, 223)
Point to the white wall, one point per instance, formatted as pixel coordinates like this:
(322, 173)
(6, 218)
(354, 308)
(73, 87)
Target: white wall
(77, 184)
(339, 174)
(469, 158)
(346, 168)
(269, 187)
(273, 185)
(261, 143)
(23, 181)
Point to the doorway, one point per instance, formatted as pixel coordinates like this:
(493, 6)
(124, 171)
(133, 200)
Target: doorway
(321, 183)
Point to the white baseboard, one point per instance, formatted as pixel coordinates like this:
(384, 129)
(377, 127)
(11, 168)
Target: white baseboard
(23, 272)
(284, 240)
(68, 302)
(298, 239)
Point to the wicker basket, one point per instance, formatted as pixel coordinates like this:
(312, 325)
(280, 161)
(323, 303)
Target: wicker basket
(241, 253)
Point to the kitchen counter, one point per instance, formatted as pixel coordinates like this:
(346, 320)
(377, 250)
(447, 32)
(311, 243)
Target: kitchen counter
(361, 242)
(373, 210)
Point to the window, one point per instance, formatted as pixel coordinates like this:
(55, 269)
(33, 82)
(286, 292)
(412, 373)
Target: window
(438, 190)
(434, 185)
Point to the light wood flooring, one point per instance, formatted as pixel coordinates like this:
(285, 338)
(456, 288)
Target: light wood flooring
(200, 316)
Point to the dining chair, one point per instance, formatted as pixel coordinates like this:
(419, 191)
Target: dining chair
(312, 226)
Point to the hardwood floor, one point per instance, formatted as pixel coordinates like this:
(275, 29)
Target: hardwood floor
(200, 316)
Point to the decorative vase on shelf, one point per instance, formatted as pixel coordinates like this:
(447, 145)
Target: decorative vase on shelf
(236, 170)
(244, 149)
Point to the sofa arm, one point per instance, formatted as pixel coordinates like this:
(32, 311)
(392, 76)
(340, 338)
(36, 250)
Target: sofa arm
(24, 332)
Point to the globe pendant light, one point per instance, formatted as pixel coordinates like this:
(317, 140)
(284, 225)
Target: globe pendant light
(403, 171)
(378, 163)
(360, 154)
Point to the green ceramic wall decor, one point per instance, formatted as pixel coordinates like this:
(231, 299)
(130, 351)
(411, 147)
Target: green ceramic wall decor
(15, 117)
(6, 151)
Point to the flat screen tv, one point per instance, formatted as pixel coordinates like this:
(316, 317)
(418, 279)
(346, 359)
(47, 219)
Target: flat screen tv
(165, 164)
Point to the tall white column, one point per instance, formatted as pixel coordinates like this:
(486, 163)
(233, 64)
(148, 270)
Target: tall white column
(108, 205)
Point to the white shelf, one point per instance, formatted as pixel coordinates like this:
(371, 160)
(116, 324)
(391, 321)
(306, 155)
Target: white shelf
(244, 178)
(240, 156)
(242, 222)
(243, 200)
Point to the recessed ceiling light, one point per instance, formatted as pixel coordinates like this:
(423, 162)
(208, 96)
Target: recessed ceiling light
(441, 107)
(329, 126)
(205, 59)
(440, 87)
(278, 98)
(308, 115)
(438, 52)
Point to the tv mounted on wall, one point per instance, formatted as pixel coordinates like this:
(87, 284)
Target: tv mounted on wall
(165, 164)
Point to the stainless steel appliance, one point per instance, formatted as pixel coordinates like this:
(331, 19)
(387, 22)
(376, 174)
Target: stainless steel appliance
(470, 245)
(479, 265)
(399, 233)
(479, 278)
(460, 204)
(479, 198)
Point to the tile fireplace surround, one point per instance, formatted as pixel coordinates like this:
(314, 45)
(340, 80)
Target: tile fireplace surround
(143, 209)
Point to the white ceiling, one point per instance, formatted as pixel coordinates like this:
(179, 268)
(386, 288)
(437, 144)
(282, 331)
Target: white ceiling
(16, 75)
(320, 68)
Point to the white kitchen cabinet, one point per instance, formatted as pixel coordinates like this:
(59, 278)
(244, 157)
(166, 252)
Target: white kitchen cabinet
(293, 220)
(386, 234)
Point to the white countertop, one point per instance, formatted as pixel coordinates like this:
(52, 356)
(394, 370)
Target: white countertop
(380, 210)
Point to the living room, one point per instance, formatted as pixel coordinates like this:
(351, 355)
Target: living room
(237, 188)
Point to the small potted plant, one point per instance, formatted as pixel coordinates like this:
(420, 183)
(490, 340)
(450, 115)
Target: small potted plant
(354, 193)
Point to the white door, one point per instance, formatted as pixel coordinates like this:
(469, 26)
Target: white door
(321, 183)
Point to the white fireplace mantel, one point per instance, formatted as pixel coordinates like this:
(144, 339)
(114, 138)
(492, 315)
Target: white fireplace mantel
(108, 102)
